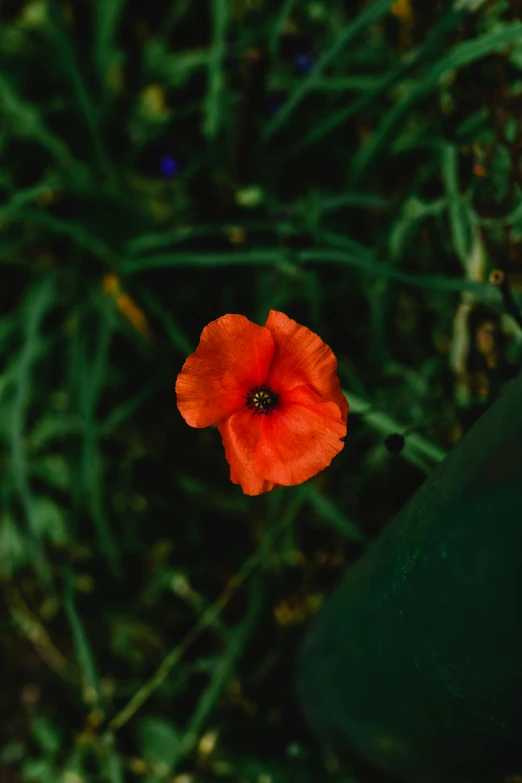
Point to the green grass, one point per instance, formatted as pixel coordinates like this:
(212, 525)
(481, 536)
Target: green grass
(151, 610)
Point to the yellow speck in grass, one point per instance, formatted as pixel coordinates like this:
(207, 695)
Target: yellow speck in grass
(313, 602)
(84, 583)
(114, 77)
(127, 307)
(249, 197)
(153, 101)
(402, 9)
(138, 766)
(95, 718)
(130, 310)
(290, 27)
(86, 737)
(33, 14)
(89, 695)
(47, 197)
(208, 742)
(111, 284)
(236, 235)
(72, 777)
(496, 276)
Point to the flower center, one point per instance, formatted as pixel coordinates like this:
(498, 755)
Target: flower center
(261, 400)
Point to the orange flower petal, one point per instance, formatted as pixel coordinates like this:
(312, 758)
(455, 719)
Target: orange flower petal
(240, 434)
(302, 359)
(299, 439)
(233, 354)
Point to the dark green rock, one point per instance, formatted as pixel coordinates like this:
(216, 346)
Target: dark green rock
(415, 662)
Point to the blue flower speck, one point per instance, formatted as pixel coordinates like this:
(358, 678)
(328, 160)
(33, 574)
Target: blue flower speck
(169, 166)
(304, 63)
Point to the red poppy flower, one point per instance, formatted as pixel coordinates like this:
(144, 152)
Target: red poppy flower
(273, 393)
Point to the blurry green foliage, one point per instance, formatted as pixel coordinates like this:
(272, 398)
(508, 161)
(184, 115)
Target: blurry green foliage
(353, 164)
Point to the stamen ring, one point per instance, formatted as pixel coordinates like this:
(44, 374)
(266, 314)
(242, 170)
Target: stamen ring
(261, 400)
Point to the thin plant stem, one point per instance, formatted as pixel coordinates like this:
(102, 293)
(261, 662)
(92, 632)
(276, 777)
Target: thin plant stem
(208, 617)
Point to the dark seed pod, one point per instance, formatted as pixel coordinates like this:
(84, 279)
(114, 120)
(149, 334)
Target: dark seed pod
(394, 443)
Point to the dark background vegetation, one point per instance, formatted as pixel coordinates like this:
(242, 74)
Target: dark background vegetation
(353, 164)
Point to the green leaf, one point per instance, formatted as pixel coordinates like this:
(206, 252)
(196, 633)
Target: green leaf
(25, 120)
(13, 547)
(77, 233)
(114, 767)
(46, 734)
(159, 740)
(129, 407)
(83, 649)
(460, 229)
(38, 303)
(417, 447)
(172, 69)
(50, 520)
(12, 752)
(278, 26)
(328, 511)
(216, 85)
(53, 426)
(65, 54)
(461, 55)
(371, 14)
(39, 770)
(92, 380)
(436, 39)
(54, 470)
(413, 211)
(28, 196)
(106, 18)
